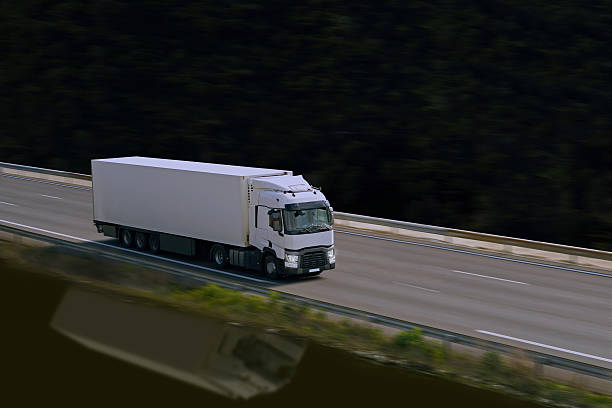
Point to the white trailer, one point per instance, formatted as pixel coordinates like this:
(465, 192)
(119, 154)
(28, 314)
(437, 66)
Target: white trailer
(237, 215)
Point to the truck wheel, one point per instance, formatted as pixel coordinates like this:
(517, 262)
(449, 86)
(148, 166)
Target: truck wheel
(126, 238)
(218, 255)
(270, 267)
(141, 241)
(154, 243)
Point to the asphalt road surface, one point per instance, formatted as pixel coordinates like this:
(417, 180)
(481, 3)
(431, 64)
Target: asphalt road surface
(558, 312)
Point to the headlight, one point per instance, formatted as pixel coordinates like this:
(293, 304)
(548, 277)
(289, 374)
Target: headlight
(291, 261)
(331, 255)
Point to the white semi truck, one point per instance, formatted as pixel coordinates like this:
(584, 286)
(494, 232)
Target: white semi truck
(255, 218)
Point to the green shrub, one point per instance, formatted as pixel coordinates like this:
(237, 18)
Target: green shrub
(409, 339)
(491, 363)
(254, 303)
(526, 384)
(436, 352)
(375, 335)
(595, 400)
(274, 298)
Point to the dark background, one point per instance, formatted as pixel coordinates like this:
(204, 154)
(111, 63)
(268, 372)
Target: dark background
(486, 115)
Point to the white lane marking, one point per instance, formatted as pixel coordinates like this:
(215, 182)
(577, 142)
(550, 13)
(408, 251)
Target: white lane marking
(491, 277)
(533, 343)
(134, 252)
(415, 286)
(462, 251)
(54, 197)
(4, 202)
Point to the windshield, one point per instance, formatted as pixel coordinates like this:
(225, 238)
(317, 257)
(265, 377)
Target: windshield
(307, 221)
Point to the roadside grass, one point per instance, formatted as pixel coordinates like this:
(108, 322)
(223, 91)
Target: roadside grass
(408, 348)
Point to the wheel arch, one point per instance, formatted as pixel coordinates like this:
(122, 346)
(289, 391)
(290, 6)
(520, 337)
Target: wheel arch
(268, 251)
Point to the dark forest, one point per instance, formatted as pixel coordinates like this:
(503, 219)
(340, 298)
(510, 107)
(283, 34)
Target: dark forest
(492, 116)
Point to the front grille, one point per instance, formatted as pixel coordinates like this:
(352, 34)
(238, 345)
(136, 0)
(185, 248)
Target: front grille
(313, 260)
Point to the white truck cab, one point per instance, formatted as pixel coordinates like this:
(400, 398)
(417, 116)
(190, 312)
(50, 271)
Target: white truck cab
(294, 220)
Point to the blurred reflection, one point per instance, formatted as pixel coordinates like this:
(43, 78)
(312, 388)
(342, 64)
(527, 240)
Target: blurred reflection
(236, 362)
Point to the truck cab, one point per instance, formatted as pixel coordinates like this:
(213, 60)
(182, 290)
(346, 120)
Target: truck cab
(291, 222)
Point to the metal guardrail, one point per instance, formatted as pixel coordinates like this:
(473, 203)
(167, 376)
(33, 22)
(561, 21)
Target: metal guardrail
(447, 337)
(384, 222)
(477, 236)
(46, 171)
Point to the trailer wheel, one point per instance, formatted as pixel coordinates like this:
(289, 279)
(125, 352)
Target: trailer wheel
(218, 254)
(270, 267)
(141, 241)
(154, 243)
(126, 238)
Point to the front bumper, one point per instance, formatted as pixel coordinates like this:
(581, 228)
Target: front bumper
(311, 261)
(308, 271)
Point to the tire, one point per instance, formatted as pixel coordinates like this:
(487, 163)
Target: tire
(140, 239)
(126, 237)
(218, 254)
(270, 267)
(154, 243)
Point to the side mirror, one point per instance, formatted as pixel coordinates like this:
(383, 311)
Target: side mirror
(275, 220)
(277, 226)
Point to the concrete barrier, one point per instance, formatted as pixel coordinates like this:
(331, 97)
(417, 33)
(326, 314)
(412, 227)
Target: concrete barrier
(478, 241)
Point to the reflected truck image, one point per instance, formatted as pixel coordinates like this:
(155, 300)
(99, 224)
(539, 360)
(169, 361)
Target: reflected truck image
(233, 361)
(261, 219)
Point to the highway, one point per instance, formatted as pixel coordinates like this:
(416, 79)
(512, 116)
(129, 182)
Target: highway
(553, 311)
